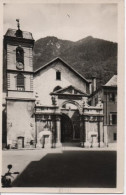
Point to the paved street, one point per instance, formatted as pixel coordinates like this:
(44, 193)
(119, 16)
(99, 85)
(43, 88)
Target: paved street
(56, 168)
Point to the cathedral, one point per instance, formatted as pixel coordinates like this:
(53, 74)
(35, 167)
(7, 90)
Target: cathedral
(50, 106)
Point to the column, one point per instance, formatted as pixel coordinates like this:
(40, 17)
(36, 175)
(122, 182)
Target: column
(82, 131)
(35, 132)
(95, 134)
(105, 136)
(101, 133)
(58, 137)
(38, 143)
(52, 136)
(87, 144)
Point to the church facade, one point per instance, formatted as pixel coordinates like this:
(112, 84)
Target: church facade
(49, 106)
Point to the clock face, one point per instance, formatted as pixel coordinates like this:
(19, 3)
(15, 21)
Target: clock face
(19, 65)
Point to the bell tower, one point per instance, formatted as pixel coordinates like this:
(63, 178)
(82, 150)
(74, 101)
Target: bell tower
(18, 46)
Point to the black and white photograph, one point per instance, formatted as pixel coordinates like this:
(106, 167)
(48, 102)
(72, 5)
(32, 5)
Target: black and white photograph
(61, 111)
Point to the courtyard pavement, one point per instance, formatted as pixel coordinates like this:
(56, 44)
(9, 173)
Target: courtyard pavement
(64, 167)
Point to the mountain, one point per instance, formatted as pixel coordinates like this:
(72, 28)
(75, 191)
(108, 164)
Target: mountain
(89, 56)
(48, 48)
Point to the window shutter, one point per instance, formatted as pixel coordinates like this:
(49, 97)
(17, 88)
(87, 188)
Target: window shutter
(20, 80)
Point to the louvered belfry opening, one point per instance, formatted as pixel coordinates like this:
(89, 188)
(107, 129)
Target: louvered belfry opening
(20, 82)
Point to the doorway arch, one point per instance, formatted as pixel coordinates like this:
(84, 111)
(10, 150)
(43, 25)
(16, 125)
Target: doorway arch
(72, 102)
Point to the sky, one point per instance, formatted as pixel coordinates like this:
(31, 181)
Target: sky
(65, 21)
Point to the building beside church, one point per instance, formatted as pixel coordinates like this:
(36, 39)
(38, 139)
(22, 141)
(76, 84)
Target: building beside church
(108, 95)
(49, 106)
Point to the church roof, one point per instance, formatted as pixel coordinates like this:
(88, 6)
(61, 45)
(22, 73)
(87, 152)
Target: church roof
(66, 64)
(12, 33)
(112, 82)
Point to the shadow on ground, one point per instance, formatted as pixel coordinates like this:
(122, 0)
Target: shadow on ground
(71, 169)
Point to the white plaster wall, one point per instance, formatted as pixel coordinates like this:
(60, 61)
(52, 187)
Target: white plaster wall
(11, 58)
(70, 106)
(11, 81)
(20, 94)
(3, 98)
(45, 81)
(20, 121)
(27, 82)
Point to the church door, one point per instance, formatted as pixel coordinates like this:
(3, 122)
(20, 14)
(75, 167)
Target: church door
(66, 129)
(20, 142)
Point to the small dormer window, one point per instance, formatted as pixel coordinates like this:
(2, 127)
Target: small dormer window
(112, 97)
(58, 75)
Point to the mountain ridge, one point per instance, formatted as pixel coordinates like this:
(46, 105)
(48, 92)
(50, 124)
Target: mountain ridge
(89, 56)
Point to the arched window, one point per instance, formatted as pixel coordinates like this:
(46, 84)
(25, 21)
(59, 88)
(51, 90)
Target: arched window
(20, 54)
(20, 82)
(58, 75)
(57, 88)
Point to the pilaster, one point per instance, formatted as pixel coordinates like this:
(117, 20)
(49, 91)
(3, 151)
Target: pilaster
(58, 138)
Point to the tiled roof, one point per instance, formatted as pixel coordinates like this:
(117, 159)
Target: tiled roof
(112, 82)
(12, 33)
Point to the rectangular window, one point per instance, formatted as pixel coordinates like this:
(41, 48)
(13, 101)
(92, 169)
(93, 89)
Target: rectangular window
(112, 97)
(113, 118)
(114, 136)
(58, 75)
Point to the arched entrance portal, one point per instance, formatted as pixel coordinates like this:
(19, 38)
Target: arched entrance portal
(70, 123)
(66, 129)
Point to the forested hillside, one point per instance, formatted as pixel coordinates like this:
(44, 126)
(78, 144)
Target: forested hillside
(89, 56)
